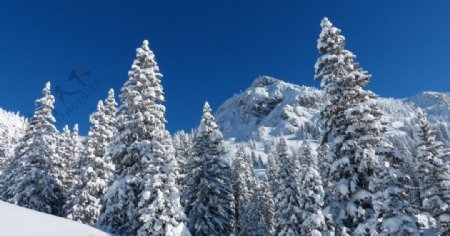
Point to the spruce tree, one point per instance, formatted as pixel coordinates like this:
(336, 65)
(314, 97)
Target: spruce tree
(312, 194)
(65, 158)
(182, 143)
(94, 171)
(208, 197)
(433, 174)
(143, 197)
(353, 129)
(110, 112)
(272, 169)
(267, 205)
(287, 194)
(30, 177)
(252, 222)
(393, 202)
(241, 182)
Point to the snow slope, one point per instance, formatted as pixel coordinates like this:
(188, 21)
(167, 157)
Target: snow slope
(19, 221)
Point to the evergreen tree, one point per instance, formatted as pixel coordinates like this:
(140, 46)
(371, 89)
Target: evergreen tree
(30, 178)
(252, 222)
(267, 206)
(64, 160)
(393, 201)
(287, 194)
(182, 143)
(208, 197)
(312, 194)
(272, 169)
(241, 182)
(95, 170)
(143, 198)
(353, 129)
(110, 112)
(76, 144)
(433, 175)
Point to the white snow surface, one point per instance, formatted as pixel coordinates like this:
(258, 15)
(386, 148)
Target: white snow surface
(19, 221)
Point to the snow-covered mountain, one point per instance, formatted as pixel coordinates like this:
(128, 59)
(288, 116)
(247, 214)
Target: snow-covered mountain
(271, 108)
(19, 221)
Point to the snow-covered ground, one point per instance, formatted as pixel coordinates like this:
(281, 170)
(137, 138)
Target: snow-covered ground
(19, 221)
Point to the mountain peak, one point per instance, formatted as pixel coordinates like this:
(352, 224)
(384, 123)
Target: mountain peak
(264, 81)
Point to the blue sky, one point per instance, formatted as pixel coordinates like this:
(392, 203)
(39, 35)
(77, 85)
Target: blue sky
(209, 50)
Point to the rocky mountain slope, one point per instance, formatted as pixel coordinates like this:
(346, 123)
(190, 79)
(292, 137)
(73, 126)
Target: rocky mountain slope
(271, 108)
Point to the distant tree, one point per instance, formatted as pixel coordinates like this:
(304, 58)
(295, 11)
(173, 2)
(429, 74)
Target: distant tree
(267, 206)
(252, 221)
(312, 194)
(95, 170)
(242, 179)
(272, 169)
(287, 193)
(30, 177)
(110, 112)
(208, 198)
(182, 143)
(65, 159)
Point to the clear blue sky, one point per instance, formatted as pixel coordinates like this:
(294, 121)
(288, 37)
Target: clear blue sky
(209, 50)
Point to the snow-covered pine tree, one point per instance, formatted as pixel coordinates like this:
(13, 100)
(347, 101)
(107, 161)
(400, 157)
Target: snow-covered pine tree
(254, 160)
(65, 158)
(352, 124)
(312, 194)
(208, 197)
(143, 198)
(93, 173)
(242, 179)
(110, 111)
(267, 205)
(272, 169)
(182, 144)
(286, 193)
(252, 221)
(75, 139)
(5, 145)
(29, 176)
(433, 176)
(393, 200)
(261, 162)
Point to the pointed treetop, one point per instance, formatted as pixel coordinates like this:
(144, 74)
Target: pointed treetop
(420, 113)
(306, 153)
(207, 124)
(282, 142)
(326, 23)
(75, 130)
(330, 40)
(206, 108)
(100, 106)
(145, 43)
(46, 90)
(111, 92)
(66, 130)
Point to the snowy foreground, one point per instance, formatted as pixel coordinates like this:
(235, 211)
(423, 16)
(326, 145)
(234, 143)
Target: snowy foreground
(19, 221)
